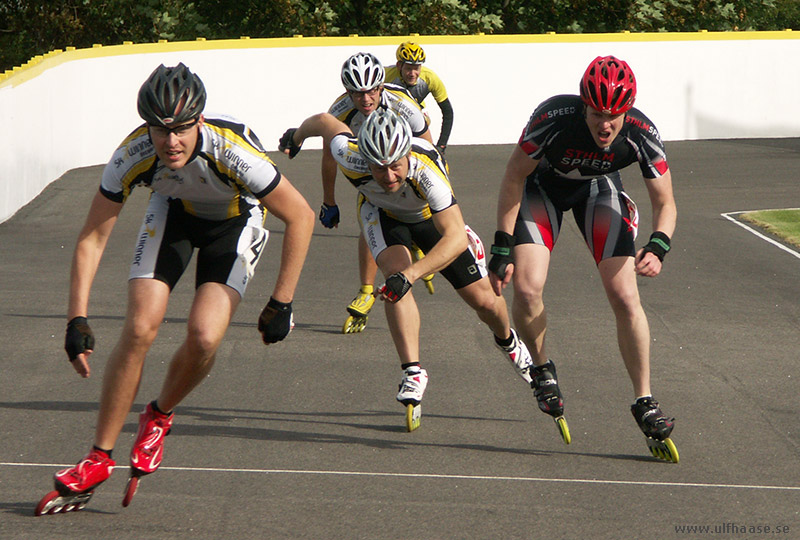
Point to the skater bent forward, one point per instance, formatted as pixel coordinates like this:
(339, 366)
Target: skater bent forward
(363, 78)
(212, 186)
(406, 199)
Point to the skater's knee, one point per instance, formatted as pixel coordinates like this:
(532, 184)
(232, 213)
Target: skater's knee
(528, 297)
(394, 259)
(625, 302)
(481, 298)
(140, 333)
(487, 305)
(202, 342)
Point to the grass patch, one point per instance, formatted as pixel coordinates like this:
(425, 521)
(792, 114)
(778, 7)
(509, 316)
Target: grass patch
(784, 224)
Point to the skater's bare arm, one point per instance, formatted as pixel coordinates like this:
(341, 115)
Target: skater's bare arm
(288, 205)
(329, 169)
(519, 166)
(323, 125)
(450, 224)
(665, 215)
(427, 136)
(89, 250)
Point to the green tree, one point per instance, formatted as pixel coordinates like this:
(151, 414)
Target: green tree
(276, 18)
(82, 23)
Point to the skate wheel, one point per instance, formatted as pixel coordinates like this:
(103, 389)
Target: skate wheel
(413, 416)
(46, 505)
(563, 428)
(354, 324)
(130, 490)
(429, 284)
(54, 503)
(664, 450)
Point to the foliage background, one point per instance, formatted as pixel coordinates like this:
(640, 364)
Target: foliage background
(30, 28)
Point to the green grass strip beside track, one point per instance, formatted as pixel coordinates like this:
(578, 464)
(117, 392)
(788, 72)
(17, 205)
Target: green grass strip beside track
(784, 224)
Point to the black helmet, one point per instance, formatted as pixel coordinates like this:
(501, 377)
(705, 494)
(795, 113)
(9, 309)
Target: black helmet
(171, 95)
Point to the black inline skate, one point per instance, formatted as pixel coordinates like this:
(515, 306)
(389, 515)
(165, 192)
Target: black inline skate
(657, 427)
(545, 387)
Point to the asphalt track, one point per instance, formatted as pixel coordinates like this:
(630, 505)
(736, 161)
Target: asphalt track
(304, 439)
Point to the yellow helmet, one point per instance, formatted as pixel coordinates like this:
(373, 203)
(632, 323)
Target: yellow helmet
(410, 53)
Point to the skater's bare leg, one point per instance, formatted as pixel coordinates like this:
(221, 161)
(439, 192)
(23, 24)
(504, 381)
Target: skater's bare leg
(531, 263)
(490, 308)
(213, 307)
(403, 320)
(403, 315)
(633, 332)
(147, 304)
(367, 268)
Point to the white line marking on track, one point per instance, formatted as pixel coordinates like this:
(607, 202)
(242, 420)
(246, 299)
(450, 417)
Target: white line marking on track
(729, 216)
(448, 477)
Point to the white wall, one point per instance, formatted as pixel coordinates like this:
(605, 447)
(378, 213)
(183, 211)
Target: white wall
(72, 109)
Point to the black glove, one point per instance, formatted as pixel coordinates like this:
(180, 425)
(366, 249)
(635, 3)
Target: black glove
(79, 338)
(658, 245)
(396, 286)
(329, 216)
(276, 321)
(502, 253)
(287, 142)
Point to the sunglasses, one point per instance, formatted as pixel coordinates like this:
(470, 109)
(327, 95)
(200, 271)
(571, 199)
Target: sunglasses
(179, 131)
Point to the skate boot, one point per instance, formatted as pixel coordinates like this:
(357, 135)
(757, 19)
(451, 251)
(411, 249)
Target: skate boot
(358, 309)
(545, 387)
(75, 486)
(657, 427)
(410, 391)
(418, 255)
(517, 353)
(148, 448)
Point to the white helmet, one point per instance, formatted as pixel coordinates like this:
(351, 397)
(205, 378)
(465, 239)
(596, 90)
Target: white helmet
(384, 138)
(362, 72)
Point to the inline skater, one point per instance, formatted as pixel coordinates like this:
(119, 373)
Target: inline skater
(407, 199)
(421, 81)
(568, 158)
(212, 185)
(363, 77)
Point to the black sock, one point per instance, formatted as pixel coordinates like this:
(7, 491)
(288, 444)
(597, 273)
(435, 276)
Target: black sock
(505, 342)
(410, 364)
(159, 411)
(104, 451)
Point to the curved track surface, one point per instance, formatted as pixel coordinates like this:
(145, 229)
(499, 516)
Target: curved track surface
(304, 439)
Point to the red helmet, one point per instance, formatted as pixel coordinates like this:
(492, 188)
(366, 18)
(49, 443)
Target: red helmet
(608, 85)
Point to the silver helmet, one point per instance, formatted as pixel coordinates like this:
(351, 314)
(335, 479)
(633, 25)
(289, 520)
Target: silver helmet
(171, 95)
(384, 137)
(362, 72)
